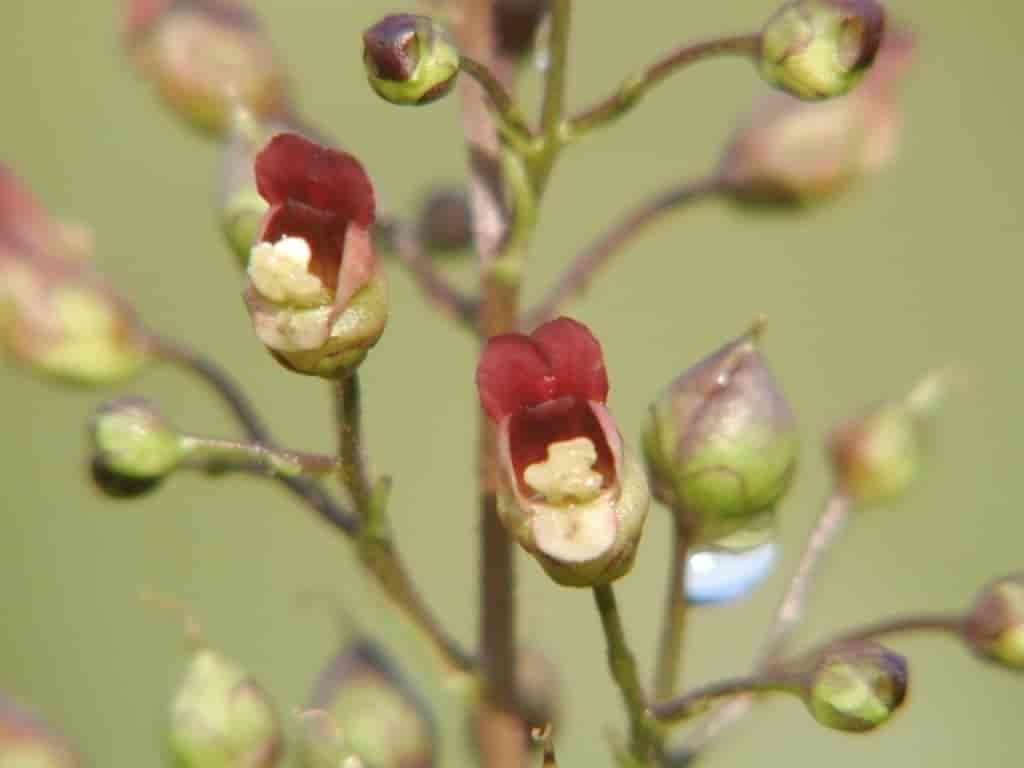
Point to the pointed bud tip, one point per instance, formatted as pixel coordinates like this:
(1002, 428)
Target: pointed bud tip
(410, 60)
(994, 628)
(857, 687)
(818, 49)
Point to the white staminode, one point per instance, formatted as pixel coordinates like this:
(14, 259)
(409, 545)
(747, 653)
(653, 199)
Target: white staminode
(280, 272)
(568, 474)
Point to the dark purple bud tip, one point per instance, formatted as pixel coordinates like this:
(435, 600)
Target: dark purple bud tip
(445, 222)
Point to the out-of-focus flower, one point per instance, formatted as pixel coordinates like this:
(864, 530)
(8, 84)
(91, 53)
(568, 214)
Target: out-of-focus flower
(790, 152)
(27, 742)
(205, 58)
(362, 708)
(994, 628)
(58, 316)
(570, 492)
(315, 293)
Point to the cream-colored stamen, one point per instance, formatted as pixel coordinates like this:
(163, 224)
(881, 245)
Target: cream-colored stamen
(280, 272)
(568, 474)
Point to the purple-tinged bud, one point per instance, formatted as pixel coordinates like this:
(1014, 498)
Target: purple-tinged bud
(539, 688)
(516, 23)
(205, 58)
(221, 718)
(410, 60)
(994, 628)
(445, 220)
(721, 442)
(856, 687)
(58, 316)
(792, 153)
(365, 709)
(817, 49)
(27, 742)
(877, 455)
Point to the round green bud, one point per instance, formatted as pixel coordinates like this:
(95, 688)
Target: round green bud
(364, 709)
(856, 687)
(817, 49)
(220, 718)
(131, 439)
(27, 742)
(721, 443)
(994, 629)
(410, 60)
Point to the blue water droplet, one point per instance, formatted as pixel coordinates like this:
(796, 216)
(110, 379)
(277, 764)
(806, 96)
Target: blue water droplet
(719, 576)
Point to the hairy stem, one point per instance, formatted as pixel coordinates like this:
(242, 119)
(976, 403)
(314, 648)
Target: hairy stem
(217, 455)
(582, 270)
(668, 668)
(699, 700)
(355, 476)
(626, 96)
(308, 491)
(621, 662)
(502, 735)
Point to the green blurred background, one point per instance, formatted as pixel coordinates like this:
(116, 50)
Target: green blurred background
(916, 268)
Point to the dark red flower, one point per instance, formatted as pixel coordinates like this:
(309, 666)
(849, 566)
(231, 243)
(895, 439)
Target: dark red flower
(544, 385)
(315, 193)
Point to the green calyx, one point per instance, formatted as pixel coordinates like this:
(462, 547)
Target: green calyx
(818, 49)
(220, 718)
(132, 440)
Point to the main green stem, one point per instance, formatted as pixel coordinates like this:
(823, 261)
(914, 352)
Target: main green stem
(355, 475)
(622, 663)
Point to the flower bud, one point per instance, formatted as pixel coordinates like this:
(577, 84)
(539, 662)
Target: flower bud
(817, 49)
(994, 628)
(856, 687)
(445, 221)
(132, 440)
(59, 317)
(539, 689)
(516, 23)
(876, 456)
(315, 294)
(205, 58)
(221, 718)
(410, 60)
(721, 442)
(792, 153)
(569, 490)
(368, 712)
(27, 742)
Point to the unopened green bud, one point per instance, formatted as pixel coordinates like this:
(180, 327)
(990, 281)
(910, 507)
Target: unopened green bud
(206, 58)
(877, 455)
(27, 742)
(410, 60)
(994, 629)
(817, 49)
(132, 439)
(366, 710)
(856, 687)
(721, 442)
(220, 718)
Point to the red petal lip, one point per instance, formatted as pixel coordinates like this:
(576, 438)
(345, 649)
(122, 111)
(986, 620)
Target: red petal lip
(560, 359)
(293, 169)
